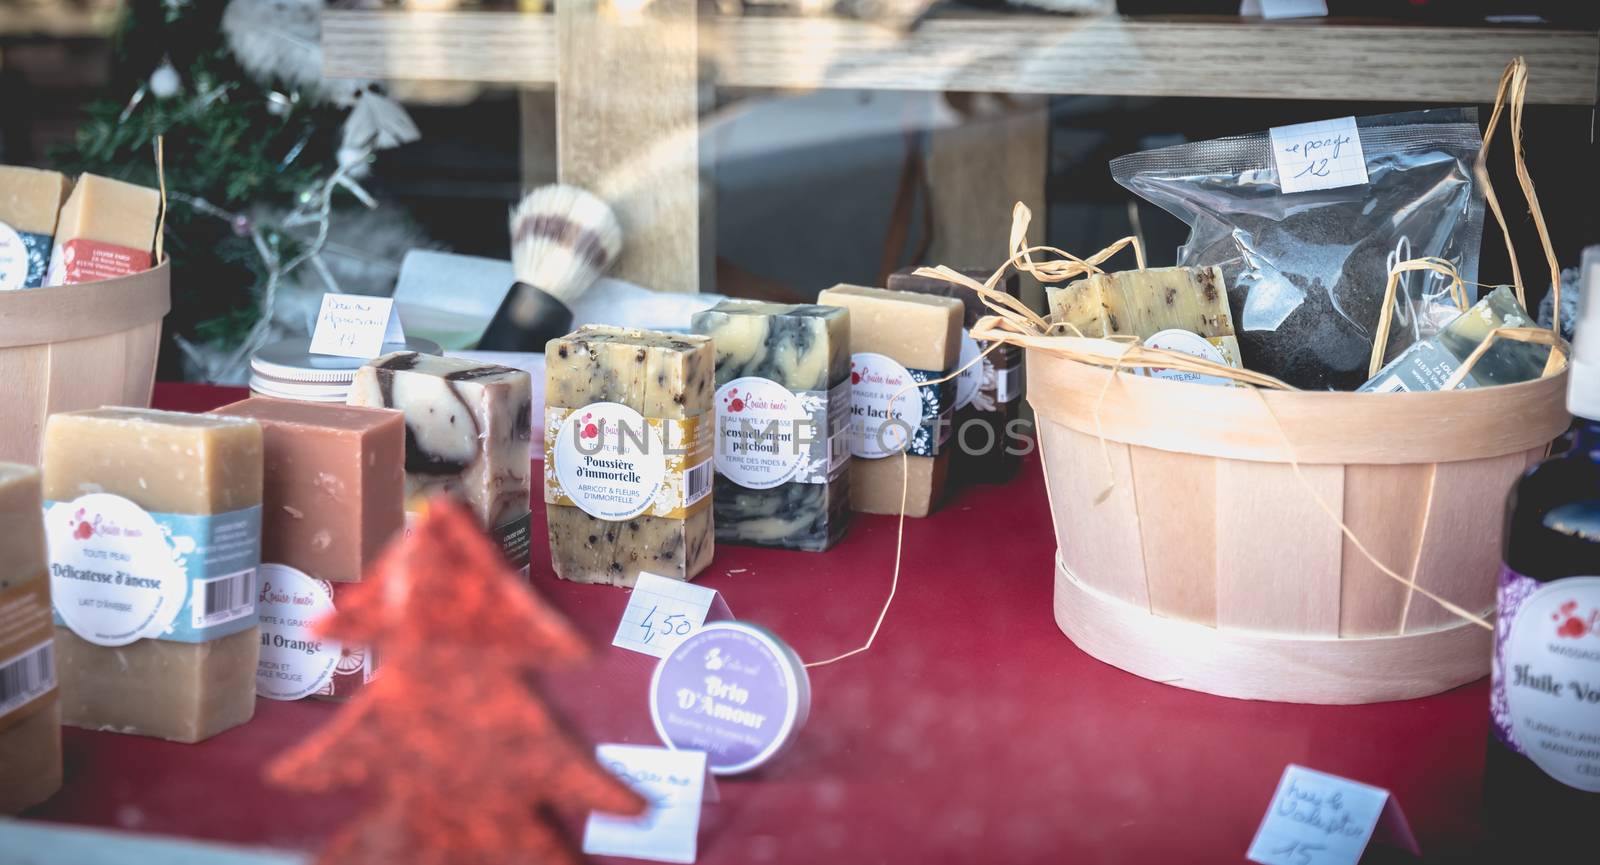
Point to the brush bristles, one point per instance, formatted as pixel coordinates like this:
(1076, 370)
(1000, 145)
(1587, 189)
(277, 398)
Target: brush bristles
(562, 239)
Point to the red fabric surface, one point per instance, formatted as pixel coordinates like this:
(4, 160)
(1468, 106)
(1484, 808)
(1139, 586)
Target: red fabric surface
(972, 731)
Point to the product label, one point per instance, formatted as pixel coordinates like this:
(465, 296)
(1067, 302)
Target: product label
(1425, 365)
(1545, 697)
(768, 435)
(1325, 154)
(971, 379)
(24, 258)
(1004, 367)
(1190, 343)
(295, 663)
(27, 649)
(513, 537)
(729, 692)
(83, 260)
(119, 573)
(891, 406)
(616, 464)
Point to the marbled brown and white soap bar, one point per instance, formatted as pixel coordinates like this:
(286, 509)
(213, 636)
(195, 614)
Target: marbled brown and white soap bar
(627, 454)
(783, 412)
(468, 434)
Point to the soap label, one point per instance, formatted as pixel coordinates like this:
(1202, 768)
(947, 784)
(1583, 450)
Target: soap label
(971, 378)
(1423, 366)
(84, 260)
(1324, 154)
(513, 537)
(616, 464)
(24, 258)
(1545, 691)
(1193, 344)
(295, 663)
(768, 435)
(893, 408)
(732, 690)
(27, 648)
(119, 573)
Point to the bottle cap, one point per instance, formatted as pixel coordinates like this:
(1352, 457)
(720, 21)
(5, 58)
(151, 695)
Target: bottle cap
(1583, 381)
(288, 369)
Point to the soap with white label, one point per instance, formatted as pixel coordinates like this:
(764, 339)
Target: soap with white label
(782, 403)
(106, 229)
(1151, 304)
(628, 469)
(30, 201)
(901, 343)
(168, 648)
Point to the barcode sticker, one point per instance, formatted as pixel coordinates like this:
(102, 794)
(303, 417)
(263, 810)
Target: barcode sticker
(1392, 384)
(1322, 155)
(663, 612)
(223, 599)
(28, 676)
(697, 482)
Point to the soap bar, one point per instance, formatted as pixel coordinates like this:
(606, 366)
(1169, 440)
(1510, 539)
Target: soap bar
(168, 647)
(1429, 364)
(468, 433)
(900, 342)
(989, 394)
(106, 230)
(1178, 308)
(628, 468)
(30, 717)
(783, 412)
(30, 199)
(333, 484)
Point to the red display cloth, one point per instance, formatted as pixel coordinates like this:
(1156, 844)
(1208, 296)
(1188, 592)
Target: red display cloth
(972, 732)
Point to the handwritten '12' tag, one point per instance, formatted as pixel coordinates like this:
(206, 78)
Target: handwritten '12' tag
(1325, 154)
(1321, 819)
(663, 612)
(674, 782)
(352, 325)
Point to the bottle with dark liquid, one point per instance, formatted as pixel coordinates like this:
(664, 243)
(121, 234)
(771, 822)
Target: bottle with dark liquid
(1542, 778)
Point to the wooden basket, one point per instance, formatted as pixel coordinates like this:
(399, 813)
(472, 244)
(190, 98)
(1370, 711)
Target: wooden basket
(1211, 566)
(76, 346)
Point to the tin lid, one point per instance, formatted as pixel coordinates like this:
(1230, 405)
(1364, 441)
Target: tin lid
(733, 690)
(288, 369)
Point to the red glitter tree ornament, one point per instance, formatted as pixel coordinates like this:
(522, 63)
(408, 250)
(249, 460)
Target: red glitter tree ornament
(466, 759)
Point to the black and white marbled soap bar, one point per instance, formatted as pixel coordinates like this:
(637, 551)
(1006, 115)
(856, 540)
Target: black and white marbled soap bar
(783, 396)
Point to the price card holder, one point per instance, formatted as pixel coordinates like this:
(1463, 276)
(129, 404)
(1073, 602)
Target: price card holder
(1321, 819)
(352, 325)
(662, 612)
(674, 782)
(1325, 154)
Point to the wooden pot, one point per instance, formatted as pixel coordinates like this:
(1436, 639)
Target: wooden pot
(1211, 566)
(72, 347)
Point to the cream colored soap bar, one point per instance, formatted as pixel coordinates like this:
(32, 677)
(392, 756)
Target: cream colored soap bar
(107, 229)
(658, 375)
(30, 199)
(920, 332)
(173, 463)
(1143, 303)
(30, 717)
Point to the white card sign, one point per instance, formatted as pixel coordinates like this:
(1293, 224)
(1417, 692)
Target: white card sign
(674, 782)
(1325, 154)
(1321, 819)
(1274, 9)
(353, 325)
(662, 611)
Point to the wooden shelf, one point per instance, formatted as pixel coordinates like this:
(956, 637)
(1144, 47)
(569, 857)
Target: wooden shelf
(1010, 53)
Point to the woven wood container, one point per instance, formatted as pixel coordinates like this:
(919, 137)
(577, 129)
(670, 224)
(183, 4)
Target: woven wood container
(76, 346)
(1209, 565)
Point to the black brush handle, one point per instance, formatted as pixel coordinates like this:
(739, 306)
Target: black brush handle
(526, 320)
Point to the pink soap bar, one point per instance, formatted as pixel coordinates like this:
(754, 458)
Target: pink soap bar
(334, 485)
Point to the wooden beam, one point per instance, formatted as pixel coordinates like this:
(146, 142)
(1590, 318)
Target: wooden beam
(1014, 53)
(627, 128)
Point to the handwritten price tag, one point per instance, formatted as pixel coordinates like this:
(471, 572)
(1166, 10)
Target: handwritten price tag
(675, 784)
(662, 612)
(351, 325)
(1321, 819)
(1322, 155)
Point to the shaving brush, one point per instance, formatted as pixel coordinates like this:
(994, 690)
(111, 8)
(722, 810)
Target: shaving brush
(562, 239)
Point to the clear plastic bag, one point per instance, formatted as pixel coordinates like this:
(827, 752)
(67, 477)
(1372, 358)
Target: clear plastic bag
(1306, 270)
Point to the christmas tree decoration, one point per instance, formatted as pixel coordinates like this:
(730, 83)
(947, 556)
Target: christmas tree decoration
(463, 754)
